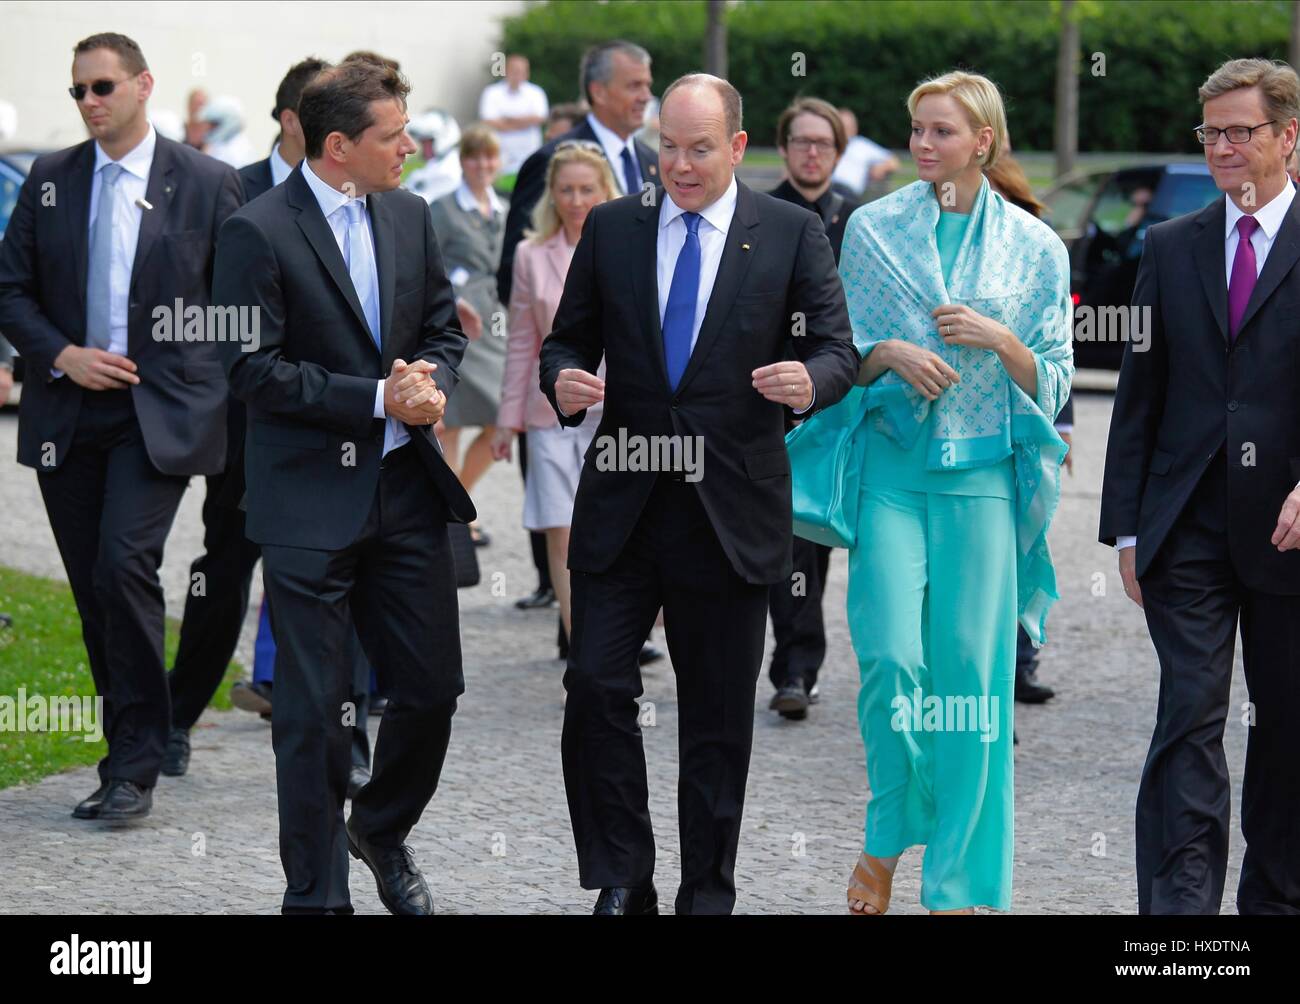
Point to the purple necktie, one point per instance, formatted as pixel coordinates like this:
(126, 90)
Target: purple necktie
(1243, 274)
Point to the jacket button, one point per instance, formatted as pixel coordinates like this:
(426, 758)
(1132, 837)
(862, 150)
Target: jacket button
(1232, 405)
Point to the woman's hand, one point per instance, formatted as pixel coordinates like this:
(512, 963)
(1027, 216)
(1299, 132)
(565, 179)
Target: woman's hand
(923, 369)
(963, 326)
(502, 440)
(470, 320)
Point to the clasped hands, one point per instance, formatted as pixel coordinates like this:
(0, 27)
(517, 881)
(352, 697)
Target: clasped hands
(411, 396)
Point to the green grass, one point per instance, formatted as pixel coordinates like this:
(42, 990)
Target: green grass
(44, 654)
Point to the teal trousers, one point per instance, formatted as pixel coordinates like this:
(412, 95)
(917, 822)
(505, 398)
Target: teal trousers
(932, 614)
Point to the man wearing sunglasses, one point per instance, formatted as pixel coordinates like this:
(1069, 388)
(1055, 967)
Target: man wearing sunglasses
(107, 235)
(1201, 499)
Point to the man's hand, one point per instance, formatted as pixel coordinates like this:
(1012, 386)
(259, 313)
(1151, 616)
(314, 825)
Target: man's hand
(6, 384)
(1128, 574)
(576, 390)
(1287, 535)
(96, 369)
(785, 383)
(471, 321)
(411, 396)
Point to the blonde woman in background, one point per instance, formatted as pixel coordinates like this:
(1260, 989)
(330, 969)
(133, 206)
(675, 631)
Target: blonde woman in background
(577, 179)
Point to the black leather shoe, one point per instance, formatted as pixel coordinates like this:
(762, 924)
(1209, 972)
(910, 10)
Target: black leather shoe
(791, 700)
(125, 801)
(621, 901)
(88, 808)
(176, 759)
(1030, 691)
(648, 654)
(358, 778)
(539, 600)
(402, 888)
(255, 697)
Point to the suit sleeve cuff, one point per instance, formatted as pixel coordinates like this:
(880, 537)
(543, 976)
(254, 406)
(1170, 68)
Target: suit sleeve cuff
(1123, 542)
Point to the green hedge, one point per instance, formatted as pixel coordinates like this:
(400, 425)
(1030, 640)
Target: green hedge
(868, 55)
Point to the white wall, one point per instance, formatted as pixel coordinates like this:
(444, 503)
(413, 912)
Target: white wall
(243, 49)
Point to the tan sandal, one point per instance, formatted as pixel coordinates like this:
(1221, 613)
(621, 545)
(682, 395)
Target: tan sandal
(873, 886)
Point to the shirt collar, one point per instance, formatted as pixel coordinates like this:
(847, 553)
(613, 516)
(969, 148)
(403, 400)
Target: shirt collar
(718, 213)
(466, 200)
(613, 144)
(1269, 217)
(137, 162)
(331, 200)
(280, 168)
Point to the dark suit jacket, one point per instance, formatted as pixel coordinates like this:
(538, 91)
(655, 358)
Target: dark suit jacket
(181, 398)
(776, 262)
(531, 182)
(1193, 393)
(256, 178)
(310, 387)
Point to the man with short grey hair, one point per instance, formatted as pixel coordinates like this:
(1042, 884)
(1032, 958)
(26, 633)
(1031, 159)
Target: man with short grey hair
(1201, 500)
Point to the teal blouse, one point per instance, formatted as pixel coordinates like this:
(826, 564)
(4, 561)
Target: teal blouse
(890, 466)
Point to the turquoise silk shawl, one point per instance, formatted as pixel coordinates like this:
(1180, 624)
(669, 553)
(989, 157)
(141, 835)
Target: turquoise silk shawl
(1012, 268)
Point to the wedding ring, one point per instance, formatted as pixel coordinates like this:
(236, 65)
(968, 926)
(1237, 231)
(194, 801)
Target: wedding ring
(792, 388)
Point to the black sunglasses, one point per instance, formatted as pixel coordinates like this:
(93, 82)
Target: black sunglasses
(101, 88)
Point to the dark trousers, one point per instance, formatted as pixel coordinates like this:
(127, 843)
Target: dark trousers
(1193, 596)
(1026, 654)
(110, 510)
(714, 622)
(215, 606)
(536, 539)
(396, 584)
(796, 608)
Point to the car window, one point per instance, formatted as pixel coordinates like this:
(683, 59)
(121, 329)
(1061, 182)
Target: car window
(1179, 194)
(1125, 201)
(10, 183)
(1067, 204)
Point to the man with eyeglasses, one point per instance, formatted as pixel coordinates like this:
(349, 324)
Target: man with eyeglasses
(107, 240)
(810, 138)
(1201, 499)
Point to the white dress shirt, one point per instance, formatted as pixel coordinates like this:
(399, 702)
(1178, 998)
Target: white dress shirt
(467, 200)
(332, 203)
(131, 187)
(713, 229)
(614, 145)
(280, 168)
(1270, 219)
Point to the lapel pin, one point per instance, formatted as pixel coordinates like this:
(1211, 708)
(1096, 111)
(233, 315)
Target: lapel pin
(167, 190)
(144, 203)
(744, 247)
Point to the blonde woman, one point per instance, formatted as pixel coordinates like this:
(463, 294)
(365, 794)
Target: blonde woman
(577, 179)
(960, 305)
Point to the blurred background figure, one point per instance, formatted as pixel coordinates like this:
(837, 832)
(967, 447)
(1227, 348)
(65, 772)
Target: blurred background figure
(290, 146)
(864, 167)
(225, 141)
(438, 174)
(8, 121)
(1008, 179)
(564, 117)
(515, 108)
(578, 177)
(810, 139)
(469, 224)
(196, 130)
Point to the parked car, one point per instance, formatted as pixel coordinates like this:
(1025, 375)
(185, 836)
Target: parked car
(1103, 216)
(14, 166)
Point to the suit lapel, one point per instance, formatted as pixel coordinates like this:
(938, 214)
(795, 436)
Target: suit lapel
(1282, 257)
(642, 261)
(381, 222)
(1208, 252)
(311, 221)
(159, 193)
(736, 255)
(79, 184)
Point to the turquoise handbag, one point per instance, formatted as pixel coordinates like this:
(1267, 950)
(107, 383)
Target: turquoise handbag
(825, 471)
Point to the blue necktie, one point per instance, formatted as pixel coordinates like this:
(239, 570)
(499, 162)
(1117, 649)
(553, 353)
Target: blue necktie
(99, 292)
(360, 254)
(679, 315)
(631, 177)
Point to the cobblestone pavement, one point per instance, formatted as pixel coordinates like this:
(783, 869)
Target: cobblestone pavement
(496, 836)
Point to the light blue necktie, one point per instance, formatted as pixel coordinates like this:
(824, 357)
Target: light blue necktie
(360, 255)
(679, 315)
(99, 291)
